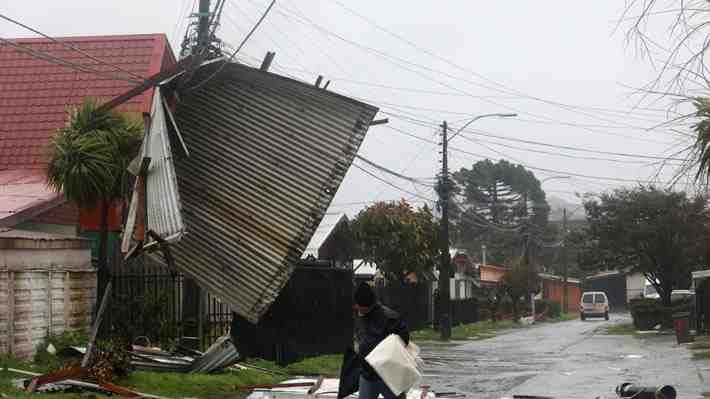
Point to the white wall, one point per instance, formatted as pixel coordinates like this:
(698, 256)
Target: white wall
(634, 285)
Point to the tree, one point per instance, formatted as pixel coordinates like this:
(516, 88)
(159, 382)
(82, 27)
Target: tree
(89, 158)
(519, 282)
(397, 238)
(659, 233)
(500, 205)
(682, 76)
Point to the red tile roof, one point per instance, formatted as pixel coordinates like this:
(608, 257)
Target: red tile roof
(23, 194)
(36, 93)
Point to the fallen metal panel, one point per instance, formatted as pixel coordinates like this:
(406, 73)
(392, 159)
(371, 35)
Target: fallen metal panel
(163, 208)
(221, 354)
(267, 155)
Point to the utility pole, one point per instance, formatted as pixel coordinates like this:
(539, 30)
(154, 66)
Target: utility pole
(565, 297)
(203, 26)
(445, 266)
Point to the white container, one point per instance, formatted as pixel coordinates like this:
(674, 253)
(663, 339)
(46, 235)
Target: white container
(395, 364)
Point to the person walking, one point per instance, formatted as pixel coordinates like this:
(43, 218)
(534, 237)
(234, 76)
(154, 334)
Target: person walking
(374, 323)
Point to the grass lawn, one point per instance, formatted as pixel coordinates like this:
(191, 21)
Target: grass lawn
(480, 330)
(325, 365)
(701, 355)
(178, 385)
(473, 331)
(568, 317)
(621, 329)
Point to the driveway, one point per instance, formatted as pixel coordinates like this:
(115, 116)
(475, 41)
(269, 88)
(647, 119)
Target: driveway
(572, 359)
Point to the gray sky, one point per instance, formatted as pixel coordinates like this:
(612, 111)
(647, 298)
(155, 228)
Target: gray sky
(521, 56)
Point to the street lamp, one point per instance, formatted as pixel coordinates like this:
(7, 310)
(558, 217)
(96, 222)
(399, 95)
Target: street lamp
(481, 117)
(445, 265)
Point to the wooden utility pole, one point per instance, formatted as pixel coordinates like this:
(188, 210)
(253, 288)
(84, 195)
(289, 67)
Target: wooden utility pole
(565, 297)
(445, 266)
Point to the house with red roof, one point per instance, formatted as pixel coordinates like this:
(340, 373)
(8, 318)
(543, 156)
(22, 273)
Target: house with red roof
(40, 80)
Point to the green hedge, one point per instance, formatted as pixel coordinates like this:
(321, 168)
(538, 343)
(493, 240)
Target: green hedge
(647, 313)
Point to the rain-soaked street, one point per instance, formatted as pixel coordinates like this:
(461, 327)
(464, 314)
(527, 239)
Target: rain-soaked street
(572, 359)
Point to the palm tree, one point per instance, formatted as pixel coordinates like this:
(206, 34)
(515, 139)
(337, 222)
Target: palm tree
(88, 161)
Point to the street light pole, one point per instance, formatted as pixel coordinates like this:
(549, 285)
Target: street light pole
(444, 198)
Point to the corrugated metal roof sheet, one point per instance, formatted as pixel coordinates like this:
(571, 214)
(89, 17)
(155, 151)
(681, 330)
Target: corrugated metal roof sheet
(162, 197)
(267, 154)
(326, 227)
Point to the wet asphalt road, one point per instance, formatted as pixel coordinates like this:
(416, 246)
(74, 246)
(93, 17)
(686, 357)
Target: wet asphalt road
(572, 359)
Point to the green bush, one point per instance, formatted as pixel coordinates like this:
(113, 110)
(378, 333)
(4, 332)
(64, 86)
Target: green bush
(647, 313)
(60, 342)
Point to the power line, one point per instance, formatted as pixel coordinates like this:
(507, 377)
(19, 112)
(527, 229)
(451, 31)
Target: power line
(71, 47)
(538, 143)
(391, 184)
(559, 154)
(507, 90)
(226, 61)
(393, 173)
(527, 166)
(60, 61)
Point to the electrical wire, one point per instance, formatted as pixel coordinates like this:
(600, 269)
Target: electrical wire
(71, 47)
(506, 89)
(243, 42)
(60, 61)
(397, 62)
(393, 173)
(391, 184)
(538, 143)
(527, 166)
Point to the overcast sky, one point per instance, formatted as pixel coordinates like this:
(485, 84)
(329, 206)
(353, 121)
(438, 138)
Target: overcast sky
(558, 64)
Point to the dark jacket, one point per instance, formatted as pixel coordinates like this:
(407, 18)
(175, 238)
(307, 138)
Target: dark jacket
(374, 327)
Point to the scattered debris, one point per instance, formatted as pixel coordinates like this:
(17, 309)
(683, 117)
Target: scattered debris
(220, 355)
(72, 384)
(328, 388)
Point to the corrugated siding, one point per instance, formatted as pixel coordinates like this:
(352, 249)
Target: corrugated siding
(44, 301)
(162, 197)
(267, 155)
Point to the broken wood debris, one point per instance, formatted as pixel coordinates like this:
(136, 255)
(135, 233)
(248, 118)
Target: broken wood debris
(62, 385)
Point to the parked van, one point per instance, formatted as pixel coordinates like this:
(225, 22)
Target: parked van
(594, 304)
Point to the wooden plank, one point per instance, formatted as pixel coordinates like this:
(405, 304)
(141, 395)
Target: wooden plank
(10, 312)
(97, 324)
(149, 83)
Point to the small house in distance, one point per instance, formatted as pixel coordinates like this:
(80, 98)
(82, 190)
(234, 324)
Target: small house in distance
(331, 242)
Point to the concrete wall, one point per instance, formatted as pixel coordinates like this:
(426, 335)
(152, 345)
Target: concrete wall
(43, 290)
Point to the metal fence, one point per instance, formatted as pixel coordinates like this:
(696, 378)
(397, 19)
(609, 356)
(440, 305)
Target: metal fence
(146, 302)
(217, 320)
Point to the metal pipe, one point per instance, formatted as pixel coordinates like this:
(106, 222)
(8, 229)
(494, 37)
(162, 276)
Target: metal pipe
(629, 390)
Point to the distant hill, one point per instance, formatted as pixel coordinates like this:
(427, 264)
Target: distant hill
(558, 204)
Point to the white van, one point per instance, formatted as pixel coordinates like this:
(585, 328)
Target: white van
(594, 304)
